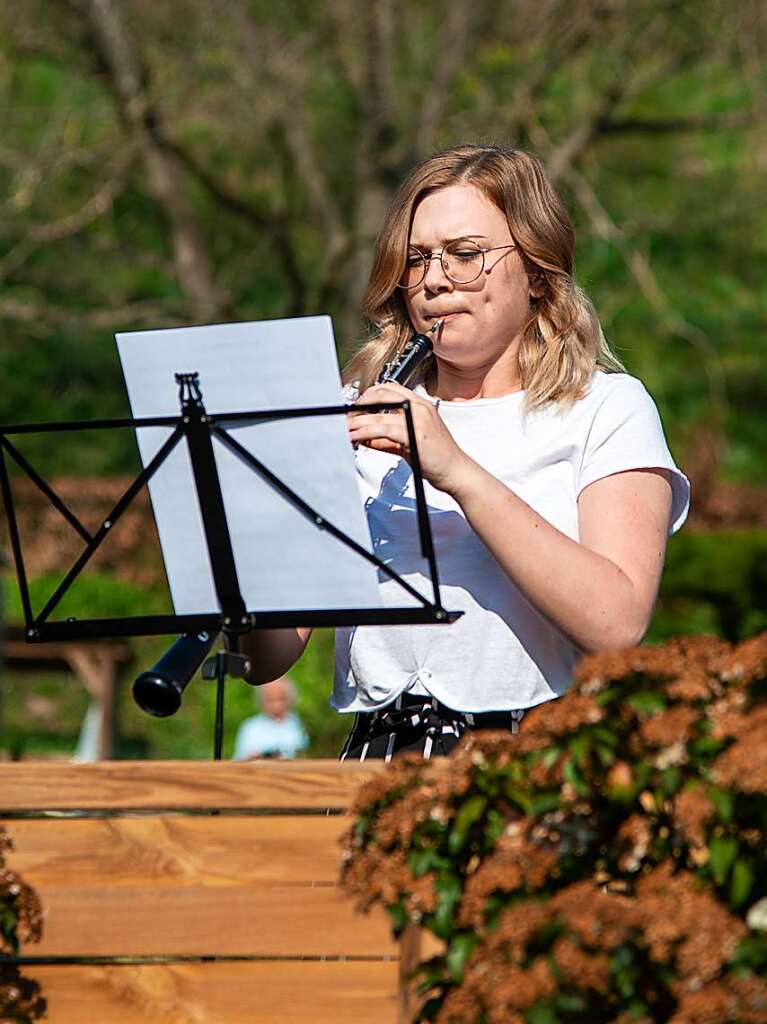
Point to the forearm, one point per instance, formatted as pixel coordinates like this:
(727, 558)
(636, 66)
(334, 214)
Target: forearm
(272, 652)
(586, 595)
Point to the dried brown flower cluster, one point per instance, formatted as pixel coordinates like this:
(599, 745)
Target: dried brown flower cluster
(680, 926)
(20, 921)
(19, 901)
(612, 855)
(20, 999)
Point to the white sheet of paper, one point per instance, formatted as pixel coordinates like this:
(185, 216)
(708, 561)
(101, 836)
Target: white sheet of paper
(283, 561)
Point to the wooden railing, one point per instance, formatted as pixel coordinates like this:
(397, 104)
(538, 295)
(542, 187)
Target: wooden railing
(196, 892)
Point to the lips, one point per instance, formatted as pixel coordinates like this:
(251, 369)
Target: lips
(444, 316)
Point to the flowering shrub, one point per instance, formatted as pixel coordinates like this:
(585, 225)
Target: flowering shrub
(20, 921)
(608, 864)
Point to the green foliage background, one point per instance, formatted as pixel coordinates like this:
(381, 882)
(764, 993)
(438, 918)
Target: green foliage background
(283, 131)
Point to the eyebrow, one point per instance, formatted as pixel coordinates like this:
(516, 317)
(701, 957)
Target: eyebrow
(445, 241)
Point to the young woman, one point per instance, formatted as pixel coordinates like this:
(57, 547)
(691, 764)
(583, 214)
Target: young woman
(550, 487)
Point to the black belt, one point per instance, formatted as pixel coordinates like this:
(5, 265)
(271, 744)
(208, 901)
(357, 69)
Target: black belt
(411, 711)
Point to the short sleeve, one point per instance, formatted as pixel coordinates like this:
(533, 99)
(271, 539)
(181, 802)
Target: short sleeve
(626, 433)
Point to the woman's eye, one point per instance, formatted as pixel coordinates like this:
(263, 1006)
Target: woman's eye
(415, 260)
(466, 254)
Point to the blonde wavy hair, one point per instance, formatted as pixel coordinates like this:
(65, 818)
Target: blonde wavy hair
(562, 343)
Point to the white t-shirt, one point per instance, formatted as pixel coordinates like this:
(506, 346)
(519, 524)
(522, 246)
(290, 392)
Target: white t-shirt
(501, 654)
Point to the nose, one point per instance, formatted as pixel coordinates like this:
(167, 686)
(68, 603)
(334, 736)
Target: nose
(436, 280)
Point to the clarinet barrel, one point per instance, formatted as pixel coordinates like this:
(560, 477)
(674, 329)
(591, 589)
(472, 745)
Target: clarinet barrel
(403, 368)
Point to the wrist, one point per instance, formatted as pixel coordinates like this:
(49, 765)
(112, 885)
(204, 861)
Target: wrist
(465, 479)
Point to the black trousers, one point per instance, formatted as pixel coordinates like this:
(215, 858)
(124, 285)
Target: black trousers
(419, 724)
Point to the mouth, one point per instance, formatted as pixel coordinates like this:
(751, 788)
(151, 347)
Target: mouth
(444, 317)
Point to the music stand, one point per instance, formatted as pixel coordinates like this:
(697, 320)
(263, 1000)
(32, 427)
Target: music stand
(199, 429)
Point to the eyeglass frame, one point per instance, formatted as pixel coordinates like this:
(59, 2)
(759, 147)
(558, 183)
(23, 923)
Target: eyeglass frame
(428, 258)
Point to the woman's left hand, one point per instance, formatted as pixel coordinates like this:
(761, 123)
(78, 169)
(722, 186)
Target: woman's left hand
(441, 458)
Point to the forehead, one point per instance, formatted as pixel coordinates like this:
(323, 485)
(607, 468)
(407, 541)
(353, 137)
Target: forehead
(274, 691)
(457, 212)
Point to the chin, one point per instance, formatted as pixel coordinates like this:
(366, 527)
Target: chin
(457, 358)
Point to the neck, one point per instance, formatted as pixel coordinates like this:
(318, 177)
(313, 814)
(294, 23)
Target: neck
(454, 383)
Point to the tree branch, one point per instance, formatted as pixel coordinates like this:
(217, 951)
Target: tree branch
(72, 224)
(275, 225)
(641, 270)
(128, 76)
(675, 125)
(43, 316)
(565, 34)
(454, 39)
(285, 66)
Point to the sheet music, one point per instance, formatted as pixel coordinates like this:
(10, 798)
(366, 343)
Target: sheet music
(284, 562)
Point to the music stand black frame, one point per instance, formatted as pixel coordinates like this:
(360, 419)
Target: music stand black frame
(199, 428)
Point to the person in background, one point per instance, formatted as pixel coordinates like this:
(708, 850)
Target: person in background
(277, 731)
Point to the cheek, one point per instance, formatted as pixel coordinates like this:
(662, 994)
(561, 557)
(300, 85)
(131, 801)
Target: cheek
(504, 308)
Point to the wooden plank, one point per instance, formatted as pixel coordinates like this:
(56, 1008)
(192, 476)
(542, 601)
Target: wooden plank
(207, 921)
(179, 850)
(252, 993)
(116, 785)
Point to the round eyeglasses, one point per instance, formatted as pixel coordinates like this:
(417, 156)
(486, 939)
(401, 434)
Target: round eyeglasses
(462, 261)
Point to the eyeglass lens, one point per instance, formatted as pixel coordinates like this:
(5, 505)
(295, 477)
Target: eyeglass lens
(462, 261)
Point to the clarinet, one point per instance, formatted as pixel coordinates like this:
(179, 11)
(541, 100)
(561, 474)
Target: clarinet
(402, 368)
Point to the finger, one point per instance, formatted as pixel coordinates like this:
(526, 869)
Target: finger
(390, 428)
(390, 447)
(389, 392)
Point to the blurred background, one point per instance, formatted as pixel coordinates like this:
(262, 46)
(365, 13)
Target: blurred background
(163, 164)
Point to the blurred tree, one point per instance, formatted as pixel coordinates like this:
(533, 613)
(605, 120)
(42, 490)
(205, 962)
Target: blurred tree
(185, 162)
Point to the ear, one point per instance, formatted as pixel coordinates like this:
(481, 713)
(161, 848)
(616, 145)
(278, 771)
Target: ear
(536, 284)
(536, 291)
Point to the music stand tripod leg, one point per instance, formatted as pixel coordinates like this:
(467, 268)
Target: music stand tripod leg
(222, 664)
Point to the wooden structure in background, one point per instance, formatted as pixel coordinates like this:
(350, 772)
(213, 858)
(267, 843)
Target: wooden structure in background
(97, 664)
(197, 892)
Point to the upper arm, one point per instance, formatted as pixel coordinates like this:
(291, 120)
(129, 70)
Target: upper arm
(272, 652)
(625, 518)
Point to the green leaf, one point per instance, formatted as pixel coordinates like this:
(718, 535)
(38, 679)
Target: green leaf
(550, 755)
(421, 861)
(518, 796)
(542, 1014)
(398, 916)
(580, 747)
(449, 888)
(670, 780)
(723, 850)
(442, 922)
(741, 882)
(723, 801)
(8, 927)
(468, 814)
(647, 702)
(705, 746)
(751, 952)
(458, 953)
(541, 803)
(569, 1002)
(605, 735)
(605, 752)
(496, 826)
(573, 776)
